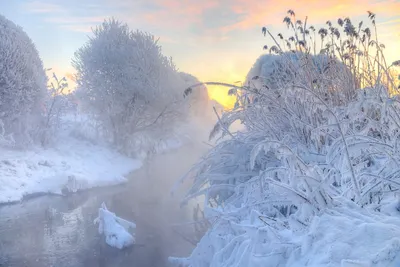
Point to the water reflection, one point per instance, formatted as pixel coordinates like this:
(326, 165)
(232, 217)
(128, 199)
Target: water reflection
(50, 231)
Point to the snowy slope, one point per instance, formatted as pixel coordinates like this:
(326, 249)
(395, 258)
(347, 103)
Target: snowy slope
(70, 164)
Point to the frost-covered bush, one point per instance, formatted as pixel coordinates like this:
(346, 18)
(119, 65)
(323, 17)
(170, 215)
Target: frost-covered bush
(354, 45)
(22, 84)
(127, 84)
(309, 167)
(332, 80)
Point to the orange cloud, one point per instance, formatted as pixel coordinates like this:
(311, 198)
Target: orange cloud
(393, 21)
(190, 16)
(258, 13)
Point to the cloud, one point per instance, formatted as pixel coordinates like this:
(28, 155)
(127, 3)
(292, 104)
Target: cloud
(206, 17)
(42, 7)
(76, 24)
(218, 20)
(215, 31)
(74, 15)
(219, 17)
(203, 19)
(74, 20)
(259, 13)
(392, 21)
(77, 28)
(165, 13)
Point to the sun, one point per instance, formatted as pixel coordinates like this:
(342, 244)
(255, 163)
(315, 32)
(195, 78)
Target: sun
(220, 94)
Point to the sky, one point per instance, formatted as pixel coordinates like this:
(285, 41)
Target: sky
(215, 40)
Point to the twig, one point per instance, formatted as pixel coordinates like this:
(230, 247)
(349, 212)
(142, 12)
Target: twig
(222, 124)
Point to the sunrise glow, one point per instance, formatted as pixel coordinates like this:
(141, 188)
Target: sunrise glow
(212, 40)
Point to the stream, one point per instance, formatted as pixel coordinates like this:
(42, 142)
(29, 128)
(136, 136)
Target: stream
(58, 231)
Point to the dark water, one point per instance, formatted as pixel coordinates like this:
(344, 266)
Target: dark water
(59, 231)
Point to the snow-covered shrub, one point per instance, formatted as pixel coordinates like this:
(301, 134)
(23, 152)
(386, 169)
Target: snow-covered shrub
(127, 84)
(309, 166)
(332, 80)
(22, 83)
(353, 45)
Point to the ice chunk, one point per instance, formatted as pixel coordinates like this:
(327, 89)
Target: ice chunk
(115, 229)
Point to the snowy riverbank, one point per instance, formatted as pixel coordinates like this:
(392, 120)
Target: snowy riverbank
(71, 164)
(76, 160)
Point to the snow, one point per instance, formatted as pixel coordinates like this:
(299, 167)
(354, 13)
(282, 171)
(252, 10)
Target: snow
(345, 235)
(69, 165)
(114, 229)
(337, 233)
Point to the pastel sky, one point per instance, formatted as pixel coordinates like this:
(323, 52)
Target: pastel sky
(215, 40)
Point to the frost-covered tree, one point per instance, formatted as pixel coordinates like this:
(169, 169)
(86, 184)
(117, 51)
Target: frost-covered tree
(56, 105)
(127, 83)
(22, 83)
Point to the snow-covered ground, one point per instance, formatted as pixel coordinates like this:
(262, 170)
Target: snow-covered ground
(72, 163)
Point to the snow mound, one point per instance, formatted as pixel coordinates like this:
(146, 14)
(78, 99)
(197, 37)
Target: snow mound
(114, 229)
